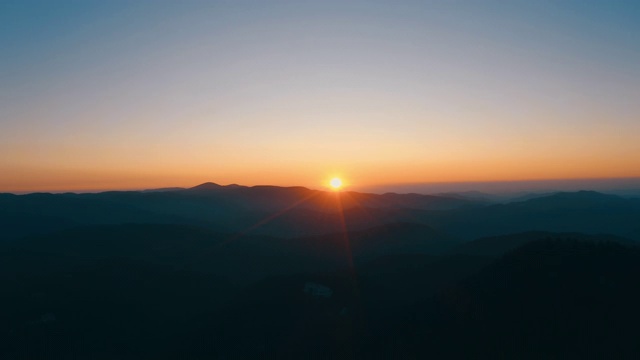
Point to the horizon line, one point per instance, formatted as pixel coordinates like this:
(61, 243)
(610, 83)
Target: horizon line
(367, 188)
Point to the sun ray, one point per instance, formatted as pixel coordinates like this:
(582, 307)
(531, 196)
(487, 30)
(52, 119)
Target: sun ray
(262, 222)
(347, 243)
(270, 217)
(359, 205)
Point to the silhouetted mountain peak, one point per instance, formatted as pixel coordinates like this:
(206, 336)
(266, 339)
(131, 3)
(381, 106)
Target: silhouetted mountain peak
(207, 186)
(211, 186)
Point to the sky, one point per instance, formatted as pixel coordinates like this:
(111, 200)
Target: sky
(98, 95)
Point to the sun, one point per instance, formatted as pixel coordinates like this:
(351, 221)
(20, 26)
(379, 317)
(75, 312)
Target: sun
(336, 183)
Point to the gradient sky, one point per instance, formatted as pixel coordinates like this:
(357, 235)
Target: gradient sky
(140, 94)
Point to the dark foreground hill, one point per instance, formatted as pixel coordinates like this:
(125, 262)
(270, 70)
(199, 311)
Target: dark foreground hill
(159, 291)
(547, 299)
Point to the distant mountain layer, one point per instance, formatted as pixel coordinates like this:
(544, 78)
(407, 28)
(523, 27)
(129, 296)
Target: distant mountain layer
(298, 212)
(222, 208)
(584, 211)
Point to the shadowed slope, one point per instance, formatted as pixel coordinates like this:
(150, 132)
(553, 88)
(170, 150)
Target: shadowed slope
(549, 298)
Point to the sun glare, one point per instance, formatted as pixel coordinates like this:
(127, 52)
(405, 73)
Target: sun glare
(336, 183)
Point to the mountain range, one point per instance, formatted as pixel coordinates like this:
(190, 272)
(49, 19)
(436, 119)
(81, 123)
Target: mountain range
(298, 211)
(250, 272)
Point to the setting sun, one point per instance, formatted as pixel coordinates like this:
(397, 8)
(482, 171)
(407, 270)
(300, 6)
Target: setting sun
(336, 183)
